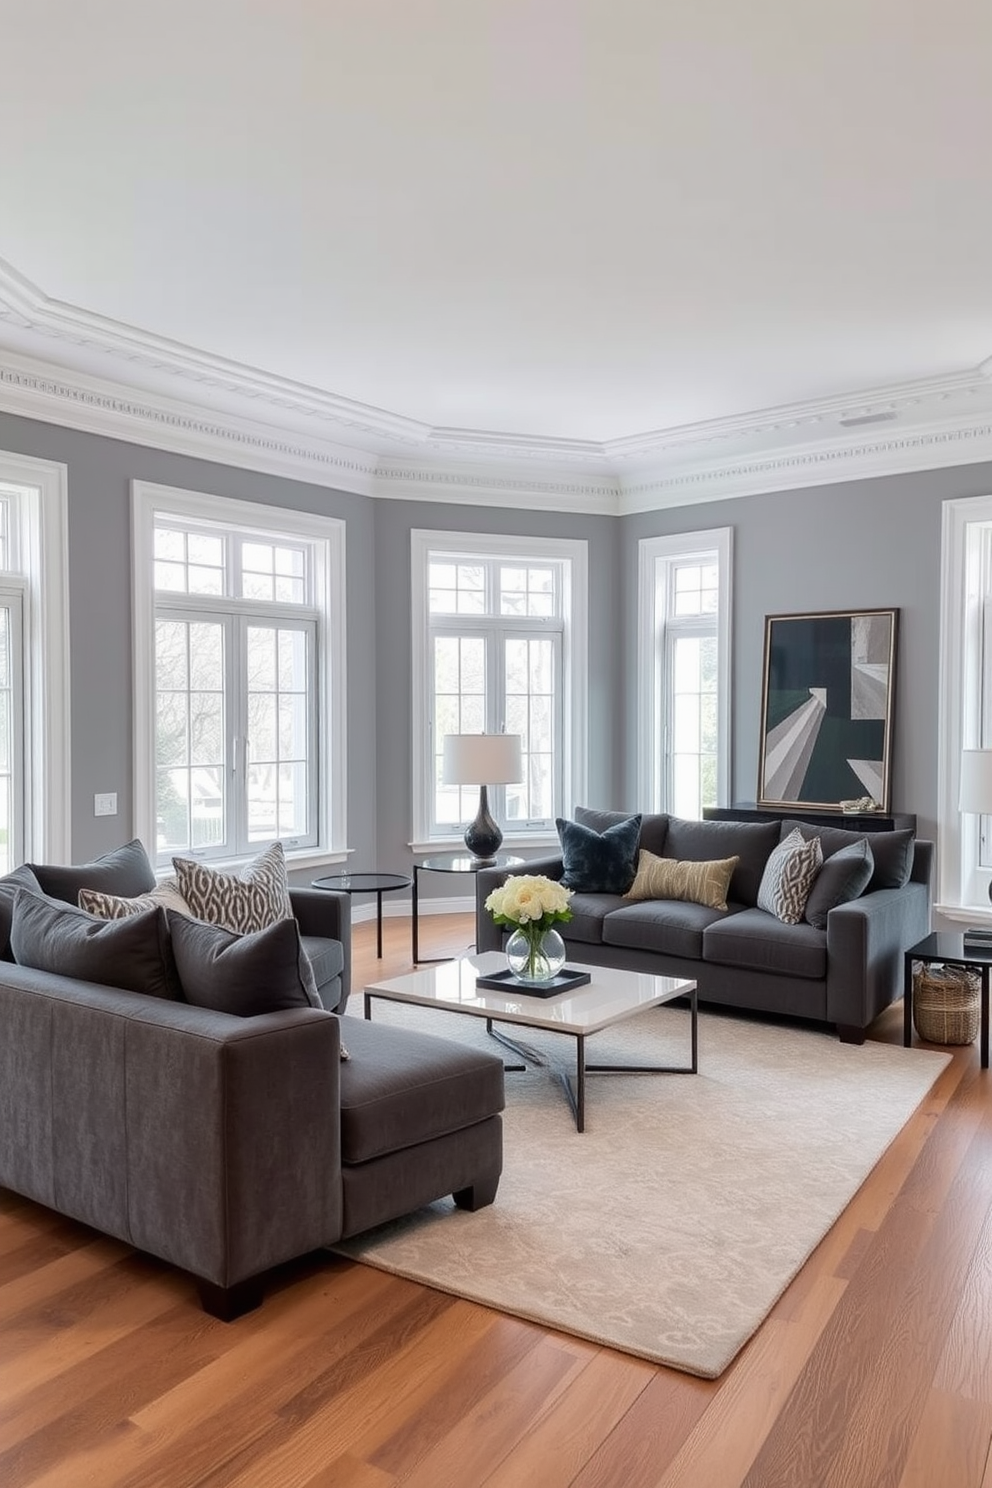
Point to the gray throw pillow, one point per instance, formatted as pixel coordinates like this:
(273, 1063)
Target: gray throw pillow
(21, 878)
(264, 972)
(126, 870)
(134, 953)
(892, 851)
(843, 877)
(599, 862)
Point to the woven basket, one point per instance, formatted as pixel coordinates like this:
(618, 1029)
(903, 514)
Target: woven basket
(946, 1004)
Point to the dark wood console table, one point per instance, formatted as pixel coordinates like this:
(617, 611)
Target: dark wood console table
(853, 821)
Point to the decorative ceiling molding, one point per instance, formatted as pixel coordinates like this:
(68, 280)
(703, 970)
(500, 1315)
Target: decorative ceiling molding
(240, 416)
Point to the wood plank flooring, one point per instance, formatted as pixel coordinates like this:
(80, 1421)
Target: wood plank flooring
(875, 1367)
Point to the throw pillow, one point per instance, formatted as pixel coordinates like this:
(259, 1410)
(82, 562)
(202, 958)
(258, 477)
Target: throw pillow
(893, 852)
(116, 907)
(134, 953)
(599, 862)
(126, 870)
(242, 902)
(21, 878)
(788, 877)
(266, 971)
(843, 877)
(693, 883)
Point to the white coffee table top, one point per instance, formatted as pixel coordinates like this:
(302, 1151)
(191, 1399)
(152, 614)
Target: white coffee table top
(609, 998)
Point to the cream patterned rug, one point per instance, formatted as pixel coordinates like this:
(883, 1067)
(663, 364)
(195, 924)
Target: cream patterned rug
(670, 1227)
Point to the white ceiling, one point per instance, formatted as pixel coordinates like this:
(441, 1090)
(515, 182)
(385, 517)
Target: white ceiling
(558, 218)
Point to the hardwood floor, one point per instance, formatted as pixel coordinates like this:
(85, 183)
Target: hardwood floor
(875, 1367)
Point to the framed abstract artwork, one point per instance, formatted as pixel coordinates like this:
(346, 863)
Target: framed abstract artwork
(826, 708)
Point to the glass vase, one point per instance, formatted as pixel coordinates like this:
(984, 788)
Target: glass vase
(535, 955)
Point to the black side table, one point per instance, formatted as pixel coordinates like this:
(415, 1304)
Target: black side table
(451, 863)
(365, 883)
(948, 947)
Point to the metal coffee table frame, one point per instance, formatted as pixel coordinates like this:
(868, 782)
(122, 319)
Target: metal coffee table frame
(451, 988)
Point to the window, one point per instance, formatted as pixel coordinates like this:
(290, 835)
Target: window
(684, 646)
(965, 709)
(34, 755)
(242, 641)
(499, 646)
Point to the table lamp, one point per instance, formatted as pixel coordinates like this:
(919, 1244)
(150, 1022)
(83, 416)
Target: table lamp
(482, 760)
(975, 799)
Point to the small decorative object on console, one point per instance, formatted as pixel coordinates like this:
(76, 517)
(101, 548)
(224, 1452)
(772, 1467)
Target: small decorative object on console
(533, 904)
(862, 804)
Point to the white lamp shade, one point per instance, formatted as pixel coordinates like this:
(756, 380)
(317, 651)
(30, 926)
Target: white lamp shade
(482, 759)
(976, 782)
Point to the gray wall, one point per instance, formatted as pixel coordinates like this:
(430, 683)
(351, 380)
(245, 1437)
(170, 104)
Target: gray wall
(857, 545)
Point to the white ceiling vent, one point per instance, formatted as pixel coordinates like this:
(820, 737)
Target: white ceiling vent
(856, 420)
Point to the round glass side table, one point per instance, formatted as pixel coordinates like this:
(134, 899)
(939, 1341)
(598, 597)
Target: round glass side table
(451, 863)
(365, 883)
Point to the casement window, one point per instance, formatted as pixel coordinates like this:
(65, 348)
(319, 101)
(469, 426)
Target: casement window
(684, 671)
(242, 648)
(964, 713)
(499, 637)
(34, 714)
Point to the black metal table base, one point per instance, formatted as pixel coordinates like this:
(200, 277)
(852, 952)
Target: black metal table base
(574, 1086)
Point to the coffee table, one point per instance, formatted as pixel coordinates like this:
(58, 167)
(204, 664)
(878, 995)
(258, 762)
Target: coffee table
(610, 997)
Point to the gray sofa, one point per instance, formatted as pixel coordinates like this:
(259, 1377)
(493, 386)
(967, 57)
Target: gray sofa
(228, 1145)
(843, 974)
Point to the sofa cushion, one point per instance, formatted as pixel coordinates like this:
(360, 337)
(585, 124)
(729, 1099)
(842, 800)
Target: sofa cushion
(599, 862)
(892, 852)
(243, 902)
(21, 878)
(589, 913)
(126, 870)
(751, 842)
(788, 877)
(134, 953)
(654, 825)
(119, 906)
(844, 876)
(665, 925)
(326, 958)
(696, 883)
(266, 971)
(759, 942)
(400, 1088)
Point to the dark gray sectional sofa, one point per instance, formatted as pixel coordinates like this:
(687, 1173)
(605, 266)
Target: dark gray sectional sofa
(843, 974)
(227, 1145)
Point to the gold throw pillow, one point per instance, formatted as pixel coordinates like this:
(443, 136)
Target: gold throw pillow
(694, 883)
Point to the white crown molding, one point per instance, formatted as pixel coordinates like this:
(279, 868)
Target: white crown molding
(40, 391)
(816, 464)
(239, 416)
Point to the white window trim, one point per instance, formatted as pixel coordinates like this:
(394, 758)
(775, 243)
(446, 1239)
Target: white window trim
(329, 585)
(575, 669)
(961, 895)
(652, 551)
(43, 549)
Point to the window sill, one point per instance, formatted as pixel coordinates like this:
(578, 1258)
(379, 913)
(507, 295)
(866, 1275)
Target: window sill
(966, 914)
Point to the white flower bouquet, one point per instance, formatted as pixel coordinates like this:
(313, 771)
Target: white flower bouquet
(534, 904)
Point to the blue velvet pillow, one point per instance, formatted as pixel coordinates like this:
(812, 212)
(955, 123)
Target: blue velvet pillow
(600, 862)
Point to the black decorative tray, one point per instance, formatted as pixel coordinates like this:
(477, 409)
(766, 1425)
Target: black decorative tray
(562, 981)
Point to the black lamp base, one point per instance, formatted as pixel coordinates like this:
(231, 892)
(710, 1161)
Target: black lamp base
(483, 836)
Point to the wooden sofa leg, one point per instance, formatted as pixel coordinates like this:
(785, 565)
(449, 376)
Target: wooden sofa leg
(849, 1033)
(481, 1193)
(228, 1303)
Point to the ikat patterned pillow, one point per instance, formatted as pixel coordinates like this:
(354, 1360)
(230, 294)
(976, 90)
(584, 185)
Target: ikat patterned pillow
(788, 877)
(242, 902)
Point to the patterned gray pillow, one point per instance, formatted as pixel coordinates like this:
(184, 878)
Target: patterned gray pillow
(119, 907)
(242, 902)
(788, 877)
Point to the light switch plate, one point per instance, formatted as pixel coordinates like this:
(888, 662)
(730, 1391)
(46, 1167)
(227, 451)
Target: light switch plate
(105, 804)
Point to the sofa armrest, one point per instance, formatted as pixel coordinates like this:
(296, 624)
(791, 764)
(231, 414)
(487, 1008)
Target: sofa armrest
(233, 1126)
(326, 912)
(866, 940)
(489, 936)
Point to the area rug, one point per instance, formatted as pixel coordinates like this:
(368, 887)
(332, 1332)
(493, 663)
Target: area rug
(669, 1228)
